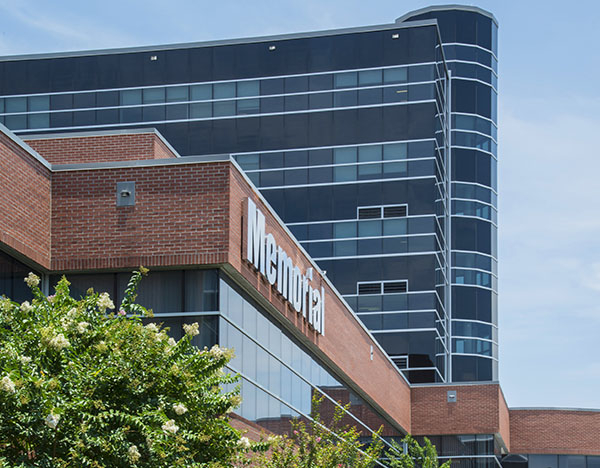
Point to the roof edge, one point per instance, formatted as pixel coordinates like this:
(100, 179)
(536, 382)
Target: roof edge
(97, 133)
(406, 17)
(220, 42)
(557, 408)
(456, 384)
(18, 141)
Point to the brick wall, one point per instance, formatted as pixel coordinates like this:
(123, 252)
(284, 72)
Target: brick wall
(180, 217)
(475, 410)
(249, 429)
(565, 432)
(75, 149)
(162, 151)
(24, 202)
(504, 419)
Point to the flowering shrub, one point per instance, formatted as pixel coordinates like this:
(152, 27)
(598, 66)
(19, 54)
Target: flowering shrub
(413, 455)
(81, 388)
(311, 445)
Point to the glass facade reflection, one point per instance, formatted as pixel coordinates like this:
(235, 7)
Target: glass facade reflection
(330, 126)
(12, 274)
(279, 376)
(467, 451)
(550, 461)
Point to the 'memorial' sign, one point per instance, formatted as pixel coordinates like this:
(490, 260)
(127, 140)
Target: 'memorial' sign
(274, 264)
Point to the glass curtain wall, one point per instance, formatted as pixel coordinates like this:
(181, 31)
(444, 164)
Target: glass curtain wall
(12, 274)
(470, 44)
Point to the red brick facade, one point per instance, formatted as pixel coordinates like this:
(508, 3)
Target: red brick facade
(70, 149)
(190, 213)
(477, 410)
(180, 217)
(25, 202)
(551, 431)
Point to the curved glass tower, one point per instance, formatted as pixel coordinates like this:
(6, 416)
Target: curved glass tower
(470, 42)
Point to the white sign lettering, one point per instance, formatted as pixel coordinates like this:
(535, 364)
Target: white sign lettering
(277, 267)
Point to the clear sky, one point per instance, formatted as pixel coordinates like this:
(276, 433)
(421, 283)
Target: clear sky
(549, 161)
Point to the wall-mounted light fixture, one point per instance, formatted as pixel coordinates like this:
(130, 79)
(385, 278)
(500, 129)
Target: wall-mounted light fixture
(125, 193)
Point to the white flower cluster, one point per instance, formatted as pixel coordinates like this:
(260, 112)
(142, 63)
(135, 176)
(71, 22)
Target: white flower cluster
(7, 384)
(104, 302)
(170, 426)
(26, 307)
(133, 453)
(216, 351)
(82, 327)
(25, 359)
(234, 401)
(171, 342)
(52, 420)
(244, 442)
(179, 409)
(192, 329)
(152, 327)
(59, 342)
(32, 280)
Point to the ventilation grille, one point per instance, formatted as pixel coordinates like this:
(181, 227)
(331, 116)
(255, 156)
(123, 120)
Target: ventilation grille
(388, 287)
(369, 288)
(395, 287)
(394, 211)
(401, 362)
(369, 213)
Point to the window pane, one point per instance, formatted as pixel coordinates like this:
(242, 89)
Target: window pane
(200, 110)
(201, 92)
(344, 230)
(177, 93)
(345, 98)
(369, 77)
(395, 151)
(395, 75)
(248, 106)
(224, 108)
(369, 153)
(16, 104)
(345, 80)
(178, 111)
(344, 173)
(131, 97)
(154, 95)
(344, 155)
(248, 88)
(224, 90)
(38, 121)
(39, 103)
(394, 227)
(369, 228)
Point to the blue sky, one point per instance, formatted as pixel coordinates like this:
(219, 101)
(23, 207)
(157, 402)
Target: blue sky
(549, 214)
